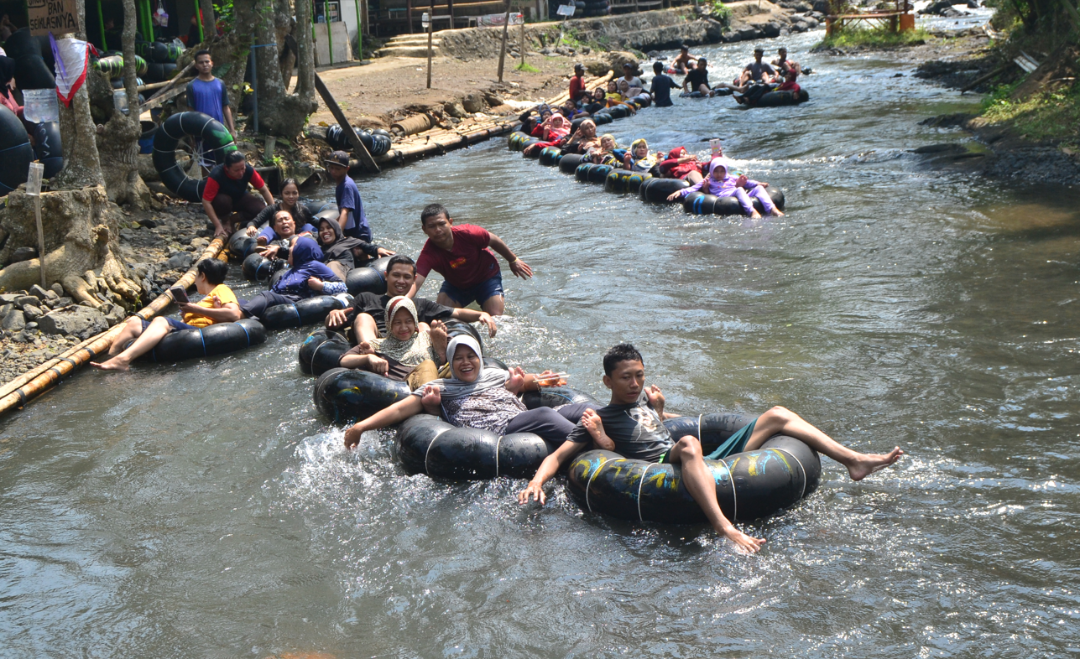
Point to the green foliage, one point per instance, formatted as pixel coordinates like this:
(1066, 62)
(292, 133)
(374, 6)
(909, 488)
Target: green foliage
(719, 12)
(878, 37)
(1052, 115)
(526, 67)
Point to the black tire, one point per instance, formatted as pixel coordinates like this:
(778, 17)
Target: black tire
(568, 164)
(15, 145)
(345, 395)
(217, 339)
(657, 190)
(215, 138)
(304, 312)
(365, 280)
(321, 351)
(155, 72)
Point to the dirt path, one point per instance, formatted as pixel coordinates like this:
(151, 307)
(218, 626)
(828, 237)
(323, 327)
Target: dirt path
(389, 88)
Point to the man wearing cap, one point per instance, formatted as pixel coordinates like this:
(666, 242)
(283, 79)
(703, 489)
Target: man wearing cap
(226, 194)
(352, 220)
(759, 71)
(633, 84)
(577, 84)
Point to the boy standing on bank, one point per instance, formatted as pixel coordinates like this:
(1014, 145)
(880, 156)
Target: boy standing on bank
(632, 425)
(207, 94)
(462, 256)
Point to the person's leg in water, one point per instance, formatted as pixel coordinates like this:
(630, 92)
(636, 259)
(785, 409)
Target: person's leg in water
(762, 194)
(781, 421)
(132, 329)
(150, 337)
(746, 203)
(700, 484)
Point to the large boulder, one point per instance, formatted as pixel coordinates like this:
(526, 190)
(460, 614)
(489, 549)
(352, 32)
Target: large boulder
(79, 321)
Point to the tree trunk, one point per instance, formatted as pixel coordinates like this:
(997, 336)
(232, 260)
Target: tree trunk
(80, 224)
(281, 113)
(118, 141)
(82, 166)
(209, 20)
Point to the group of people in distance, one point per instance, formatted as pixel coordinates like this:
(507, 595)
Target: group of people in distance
(754, 81)
(715, 175)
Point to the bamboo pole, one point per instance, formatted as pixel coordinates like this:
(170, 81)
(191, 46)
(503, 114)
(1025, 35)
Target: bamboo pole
(33, 383)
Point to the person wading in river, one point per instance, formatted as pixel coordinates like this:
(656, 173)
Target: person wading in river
(632, 425)
(462, 256)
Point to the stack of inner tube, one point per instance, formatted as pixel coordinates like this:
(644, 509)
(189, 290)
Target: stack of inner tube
(216, 339)
(377, 141)
(197, 126)
(113, 66)
(160, 57)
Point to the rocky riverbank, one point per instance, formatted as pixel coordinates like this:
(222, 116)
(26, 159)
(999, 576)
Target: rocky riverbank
(38, 324)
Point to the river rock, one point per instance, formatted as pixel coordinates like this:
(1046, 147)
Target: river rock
(24, 300)
(58, 289)
(39, 292)
(79, 321)
(771, 29)
(114, 313)
(13, 320)
(473, 103)
(31, 312)
(454, 110)
(179, 261)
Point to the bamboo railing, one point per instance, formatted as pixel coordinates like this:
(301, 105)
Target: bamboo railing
(33, 383)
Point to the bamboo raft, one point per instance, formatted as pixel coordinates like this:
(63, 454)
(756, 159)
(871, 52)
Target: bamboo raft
(28, 386)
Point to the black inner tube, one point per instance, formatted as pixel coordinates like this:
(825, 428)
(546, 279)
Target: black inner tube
(215, 138)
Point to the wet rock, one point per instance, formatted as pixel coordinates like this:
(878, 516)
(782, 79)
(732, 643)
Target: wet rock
(473, 103)
(13, 320)
(31, 312)
(60, 302)
(771, 29)
(9, 298)
(31, 326)
(114, 313)
(955, 120)
(149, 224)
(179, 261)
(79, 321)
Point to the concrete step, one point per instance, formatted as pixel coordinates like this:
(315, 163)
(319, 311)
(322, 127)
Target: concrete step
(406, 51)
(412, 40)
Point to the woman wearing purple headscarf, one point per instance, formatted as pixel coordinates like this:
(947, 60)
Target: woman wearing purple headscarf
(305, 268)
(722, 184)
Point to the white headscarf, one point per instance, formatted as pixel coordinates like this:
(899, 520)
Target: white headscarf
(464, 340)
(452, 387)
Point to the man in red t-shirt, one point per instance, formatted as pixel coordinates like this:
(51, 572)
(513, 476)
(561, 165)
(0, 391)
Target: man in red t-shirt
(461, 255)
(577, 83)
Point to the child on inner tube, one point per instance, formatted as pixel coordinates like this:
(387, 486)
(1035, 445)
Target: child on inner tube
(477, 396)
(412, 351)
(722, 184)
(632, 424)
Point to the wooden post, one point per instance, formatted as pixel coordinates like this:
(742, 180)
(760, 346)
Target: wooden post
(523, 40)
(359, 150)
(408, 14)
(430, 30)
(502, 48)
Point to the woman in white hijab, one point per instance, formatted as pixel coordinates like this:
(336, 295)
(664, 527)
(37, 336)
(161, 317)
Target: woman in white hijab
(477, 396)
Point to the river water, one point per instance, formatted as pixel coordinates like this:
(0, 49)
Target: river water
(205, 510)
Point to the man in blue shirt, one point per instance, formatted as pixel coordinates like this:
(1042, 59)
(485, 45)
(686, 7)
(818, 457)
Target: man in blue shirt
(207, 94)
(352, 220)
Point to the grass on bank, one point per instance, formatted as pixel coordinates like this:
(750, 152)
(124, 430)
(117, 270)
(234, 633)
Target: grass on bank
(877, 37)
(526, 67)
(1044, 116)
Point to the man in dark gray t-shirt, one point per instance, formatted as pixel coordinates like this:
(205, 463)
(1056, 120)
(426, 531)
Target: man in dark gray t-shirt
(633, 425)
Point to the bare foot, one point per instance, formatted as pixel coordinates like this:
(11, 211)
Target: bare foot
(113, 364)
(755, 215)
(776, 212)
(868, 463)
(743, 542)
